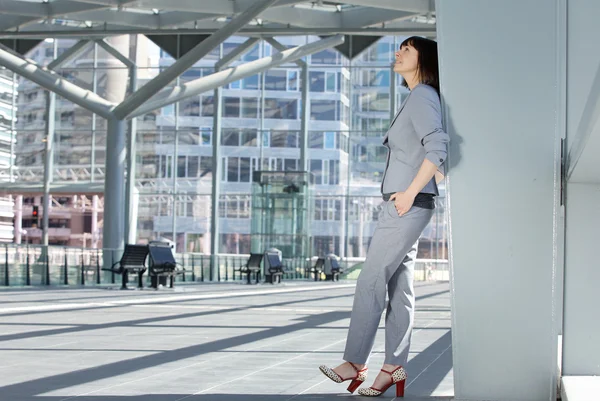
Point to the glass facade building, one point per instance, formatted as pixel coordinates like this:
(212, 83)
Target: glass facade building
(351, 102)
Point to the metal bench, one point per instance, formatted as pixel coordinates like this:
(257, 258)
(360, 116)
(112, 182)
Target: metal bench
(252, 266)
(132, 261)
(274, 268)
(162, 265)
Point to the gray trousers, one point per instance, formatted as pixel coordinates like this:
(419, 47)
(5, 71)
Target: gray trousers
(389, 267)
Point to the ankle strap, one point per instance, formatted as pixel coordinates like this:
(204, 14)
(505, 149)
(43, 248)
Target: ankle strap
(355, 368)
(392, 372)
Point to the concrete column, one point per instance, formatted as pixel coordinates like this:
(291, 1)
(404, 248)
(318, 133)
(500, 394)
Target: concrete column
(501, 104)
(114, 186)
(216, 183)
(581, 325)
(581, 351)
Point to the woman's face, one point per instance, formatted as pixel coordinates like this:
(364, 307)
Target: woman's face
(407, 59)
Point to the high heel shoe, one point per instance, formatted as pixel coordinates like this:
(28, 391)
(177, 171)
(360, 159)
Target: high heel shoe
(357, 380)
(398, 378)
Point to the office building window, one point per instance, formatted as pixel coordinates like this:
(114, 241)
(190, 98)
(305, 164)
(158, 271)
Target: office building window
(235, 84)
(190, 107)
(284, 139)
(208, 106)
(248, 137)
(252, 82)
(292, 80)
(253, 54)
(327, 56)
(317, 81)
(266, 139)
(250, 107)
(238, 169)
(205, 166)
(231, 107)
(286, 109)
(330, 140)
(323, 110)
(230, 137)
(276, 80)
(206, 135)
(316, 168)
(330, 82)
(380, 78)
(315, 140)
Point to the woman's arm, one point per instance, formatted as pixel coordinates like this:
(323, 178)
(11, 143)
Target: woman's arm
(404, 200)
(426, 116)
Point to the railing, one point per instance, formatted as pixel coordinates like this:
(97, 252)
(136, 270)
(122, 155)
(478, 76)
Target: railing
(36, 265)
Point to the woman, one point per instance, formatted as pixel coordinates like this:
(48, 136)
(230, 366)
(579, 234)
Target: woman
(417, 146)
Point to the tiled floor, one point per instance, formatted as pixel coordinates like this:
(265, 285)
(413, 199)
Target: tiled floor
(202, 342)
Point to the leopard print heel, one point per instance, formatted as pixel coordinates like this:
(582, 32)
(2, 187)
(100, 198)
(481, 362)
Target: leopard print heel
(357, 380)
(398, 378)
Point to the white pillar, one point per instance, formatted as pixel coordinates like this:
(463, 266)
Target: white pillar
(95, 221)
(499, 64)
(581, 326)
(18, 218)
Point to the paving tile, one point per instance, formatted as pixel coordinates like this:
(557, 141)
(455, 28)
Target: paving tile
(174, 346)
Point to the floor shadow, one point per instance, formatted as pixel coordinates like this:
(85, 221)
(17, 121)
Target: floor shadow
(31, 388)
(129, 323)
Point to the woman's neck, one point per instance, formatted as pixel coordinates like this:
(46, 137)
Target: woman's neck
(412, 81)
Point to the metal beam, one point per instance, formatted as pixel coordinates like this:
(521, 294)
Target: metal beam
(210, 27)
(55, 83)
(372, 16)
(417, 6)
(280, 47)
(188, 60)
(217, 7)
(68, 54)
(221, 78)
(116, 54)
(235, 54)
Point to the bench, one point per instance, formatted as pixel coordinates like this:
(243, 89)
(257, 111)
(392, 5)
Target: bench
(252, 266)
(163, 265)
(132, 261)
(275, 270)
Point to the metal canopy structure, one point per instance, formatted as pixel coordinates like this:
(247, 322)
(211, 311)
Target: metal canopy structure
(39, 19)
(188, 30)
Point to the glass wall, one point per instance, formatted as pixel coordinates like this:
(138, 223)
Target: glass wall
(351, 103)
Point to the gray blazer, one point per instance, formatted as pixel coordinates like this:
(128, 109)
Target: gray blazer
(416, 134)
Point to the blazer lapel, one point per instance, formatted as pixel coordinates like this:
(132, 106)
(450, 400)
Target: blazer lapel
(385, 138)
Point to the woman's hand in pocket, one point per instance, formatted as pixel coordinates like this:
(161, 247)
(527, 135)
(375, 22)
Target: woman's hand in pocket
(402, 202)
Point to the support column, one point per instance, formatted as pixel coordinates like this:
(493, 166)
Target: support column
(305, 119)
(18, 218)
(581, 325)
(216, 183)
(94, 221)
(48, 161)
(48, 154)
(501, 103)
(130, 208)
(114, 186)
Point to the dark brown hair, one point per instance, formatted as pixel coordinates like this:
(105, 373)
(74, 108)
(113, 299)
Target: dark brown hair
(427, 63)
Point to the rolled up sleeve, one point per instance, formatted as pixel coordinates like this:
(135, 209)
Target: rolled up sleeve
(426, 116)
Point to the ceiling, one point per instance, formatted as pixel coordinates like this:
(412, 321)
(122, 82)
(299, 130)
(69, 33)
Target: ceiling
(38, 19)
